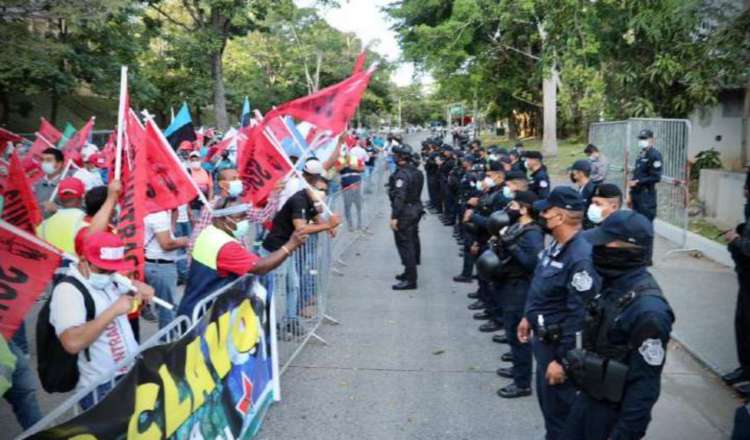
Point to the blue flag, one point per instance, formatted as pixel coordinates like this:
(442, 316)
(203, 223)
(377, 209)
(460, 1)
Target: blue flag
(181, 128)
(245, 117)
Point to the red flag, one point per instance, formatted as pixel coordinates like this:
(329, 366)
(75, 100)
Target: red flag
(29, 264)
(360, 63)
(19, 208)
(133, 199)
(169, 184)
(7, 136)
(260, 164)
(109, 151)
(49, 132)
(32, 160)
(72, 148)
(329, 109)
(218, 148)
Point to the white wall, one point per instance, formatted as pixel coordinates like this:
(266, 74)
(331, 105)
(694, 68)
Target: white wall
(707, 124)
(722, 193)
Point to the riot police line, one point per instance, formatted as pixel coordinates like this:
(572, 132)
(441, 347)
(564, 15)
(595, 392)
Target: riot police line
(580, 302)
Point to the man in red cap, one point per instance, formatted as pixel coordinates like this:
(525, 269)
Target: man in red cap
(106, 339)
(89, 174)
(60, 230)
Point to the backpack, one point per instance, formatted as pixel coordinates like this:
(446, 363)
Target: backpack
(58, 369)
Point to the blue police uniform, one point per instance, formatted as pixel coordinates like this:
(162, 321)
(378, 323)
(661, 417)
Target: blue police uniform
(539, 182)
(647, 171)
(624, 342)
(564, 280)
(513, 289)
(587, 193)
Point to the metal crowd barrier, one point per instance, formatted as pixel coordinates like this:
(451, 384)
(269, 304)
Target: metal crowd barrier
(71, 407)
(298, 290)
(618, 141)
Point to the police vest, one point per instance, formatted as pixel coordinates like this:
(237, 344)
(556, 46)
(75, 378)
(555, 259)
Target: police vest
(203, 276)
(601, 315)
(60, 230)
(512, 269)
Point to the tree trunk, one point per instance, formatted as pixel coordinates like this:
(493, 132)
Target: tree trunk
(198, 117)
(4, 108)
(549, 90)
(512, 128)
(220, 101)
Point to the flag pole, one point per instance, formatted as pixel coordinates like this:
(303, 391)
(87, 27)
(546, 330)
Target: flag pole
(121, 119)
(36, 240)
(62, 176)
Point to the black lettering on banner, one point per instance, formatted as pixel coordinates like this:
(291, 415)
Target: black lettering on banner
(128, 231)
(254, 175)
(7, 291)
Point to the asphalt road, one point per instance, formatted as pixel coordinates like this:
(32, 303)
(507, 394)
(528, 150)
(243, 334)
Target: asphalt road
(412, 365)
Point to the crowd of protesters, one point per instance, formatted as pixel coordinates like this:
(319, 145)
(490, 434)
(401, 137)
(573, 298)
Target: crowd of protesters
(94, 314)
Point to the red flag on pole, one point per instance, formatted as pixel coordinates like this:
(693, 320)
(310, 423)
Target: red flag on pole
(329, 109)
(6, 137)
(218, 148)
(169, 184)
(30, 264)
(360, 63)
(72, 148)
(260, 164)
(133, 199)
(19, 207)
(32, 161)
(49, 132)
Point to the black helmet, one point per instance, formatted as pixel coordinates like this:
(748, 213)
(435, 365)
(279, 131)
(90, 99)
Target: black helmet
(489, 265)
(497, 221)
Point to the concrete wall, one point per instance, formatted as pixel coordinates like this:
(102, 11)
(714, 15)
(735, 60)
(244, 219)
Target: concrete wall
(723, 195)
(708, 124)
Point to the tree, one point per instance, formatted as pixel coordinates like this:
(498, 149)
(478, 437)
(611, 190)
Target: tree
(212, 23)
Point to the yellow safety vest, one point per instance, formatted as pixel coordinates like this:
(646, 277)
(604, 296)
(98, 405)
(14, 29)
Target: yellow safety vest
(60, 230)
(208, 244)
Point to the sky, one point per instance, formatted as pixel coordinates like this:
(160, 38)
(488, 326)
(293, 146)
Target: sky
(365, 19)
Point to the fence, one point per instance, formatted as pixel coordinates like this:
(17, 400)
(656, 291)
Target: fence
(617, 140)
(298, 292)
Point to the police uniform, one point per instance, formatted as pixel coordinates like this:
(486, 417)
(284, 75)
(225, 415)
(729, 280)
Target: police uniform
(739, 248)
(618, 368)
(404, 191)
(522, 245)
(564, 280)
(539, 179)
(647, 171)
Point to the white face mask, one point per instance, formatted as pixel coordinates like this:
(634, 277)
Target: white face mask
(489, 183)
(643, 143)
(235, 188)
(595, 214)
(100, 281)
(195, 164)
(48, 168)
(478, 185)
(508, 193)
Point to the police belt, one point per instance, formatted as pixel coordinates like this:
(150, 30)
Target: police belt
(549, 334)
(600, 378)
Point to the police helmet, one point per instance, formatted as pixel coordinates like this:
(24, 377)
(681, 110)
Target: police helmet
(497, 221)
(489, 265)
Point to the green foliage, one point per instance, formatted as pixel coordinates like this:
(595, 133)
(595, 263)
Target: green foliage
(706, 159)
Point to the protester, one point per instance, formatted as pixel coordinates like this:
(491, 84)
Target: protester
(22, 386)
(99, 343)
(351, 185)
(89, 174)
(599, 163)
(161, 251)
(298, 213)
(61, 228)
(53, 164)
(202, 178)
(218, 257)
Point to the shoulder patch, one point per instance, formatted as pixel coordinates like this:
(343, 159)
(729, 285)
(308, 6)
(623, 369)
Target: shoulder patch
(543, 184)
(652, 351)
(657, 164)
(582, 281)
(399, 183)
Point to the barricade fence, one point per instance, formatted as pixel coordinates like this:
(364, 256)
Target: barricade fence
(618, 142)
(296, 292)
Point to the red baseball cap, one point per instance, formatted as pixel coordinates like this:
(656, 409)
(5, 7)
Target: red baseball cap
(71, 188)
(106, 251)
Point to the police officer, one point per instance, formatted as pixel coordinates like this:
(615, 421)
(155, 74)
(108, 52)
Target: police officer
(580, 175)
(564, 280)
(646, 174)
(521, 243)
(624, 342)
(538, 179)
(607, 198)
(739, 248)
(404, 191)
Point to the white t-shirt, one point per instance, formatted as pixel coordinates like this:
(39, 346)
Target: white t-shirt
(359, 153)
(67, 309)
(182, 214)
(89, 179)
(158, 222)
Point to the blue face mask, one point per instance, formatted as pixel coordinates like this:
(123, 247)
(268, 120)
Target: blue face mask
(241, 229)
(595, 214)
(100, 281)
(235, 188)
(507, 193)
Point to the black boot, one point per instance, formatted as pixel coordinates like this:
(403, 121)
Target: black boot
(482, 316)
(511, 391)
(401, 276)
(476, 305)
(490, 326)
(500, 339)
(405, 285)
(735, 377)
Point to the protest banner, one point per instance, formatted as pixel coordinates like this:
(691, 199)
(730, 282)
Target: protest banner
(259, 163)
(32, 160)
(49, 131)
(217, 381)
(27, 265)
(19, 204)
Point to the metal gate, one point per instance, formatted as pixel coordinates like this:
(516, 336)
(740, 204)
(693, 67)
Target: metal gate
(618, 142)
